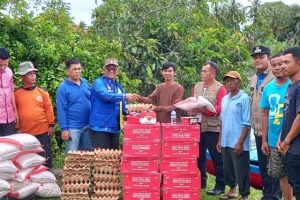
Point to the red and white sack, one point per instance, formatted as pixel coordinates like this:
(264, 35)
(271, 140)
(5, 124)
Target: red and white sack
(4, 188)
(48, 190)
(24, 161)
(23, 175)
(21, 140)
(195, 102)
(8, 166)
(25, 191)
(7, 176)
(43, 177)
(7, 151)
(17, 185)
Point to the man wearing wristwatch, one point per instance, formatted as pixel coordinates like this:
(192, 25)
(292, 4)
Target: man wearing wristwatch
(289, 143)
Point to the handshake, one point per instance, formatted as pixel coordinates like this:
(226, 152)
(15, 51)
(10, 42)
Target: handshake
(132, 97)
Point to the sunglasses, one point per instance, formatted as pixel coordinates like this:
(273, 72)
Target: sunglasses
(114, 69)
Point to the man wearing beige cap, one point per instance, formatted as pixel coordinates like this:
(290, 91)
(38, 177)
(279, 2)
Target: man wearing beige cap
(35, 109)
(108, 104)
(234, 138)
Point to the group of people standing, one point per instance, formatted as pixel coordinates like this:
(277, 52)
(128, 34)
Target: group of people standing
(90, 116)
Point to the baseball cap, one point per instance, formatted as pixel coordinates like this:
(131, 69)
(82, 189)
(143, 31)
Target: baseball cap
(26, 67)
(111, 61)
(232, 74)
(260, 50)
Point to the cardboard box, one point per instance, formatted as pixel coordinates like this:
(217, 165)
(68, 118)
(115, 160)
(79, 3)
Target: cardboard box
(145, 149)
(171, 194)
(180, 132)
(180, 149)
(141, 181)
(138, 194)
(132, 132)
(182, 181)
(179, 165)
(139, 165)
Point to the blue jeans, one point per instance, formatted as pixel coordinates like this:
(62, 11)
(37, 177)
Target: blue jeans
(80, 140)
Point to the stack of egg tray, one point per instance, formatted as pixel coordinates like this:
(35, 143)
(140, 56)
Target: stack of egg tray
(76, 182)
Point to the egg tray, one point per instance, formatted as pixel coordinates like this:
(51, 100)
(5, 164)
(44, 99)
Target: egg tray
(74, 196)
(107, 186)
(104, 198)
(106, 193)
(106, 170)
(72, 180)
(106, 178)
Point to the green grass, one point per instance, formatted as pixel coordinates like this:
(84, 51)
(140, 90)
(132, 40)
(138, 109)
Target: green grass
(254, 194)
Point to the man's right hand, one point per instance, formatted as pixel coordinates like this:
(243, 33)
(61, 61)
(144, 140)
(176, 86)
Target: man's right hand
(265, 148)
(65, 135)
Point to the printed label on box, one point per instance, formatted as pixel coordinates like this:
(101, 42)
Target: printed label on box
(132, 132)
(140, 165)
(180, 149)
(179, 165)
(141, 149)
(141, 181)
(138, 194)
(180, 132)
(182, 181)
(181, 194)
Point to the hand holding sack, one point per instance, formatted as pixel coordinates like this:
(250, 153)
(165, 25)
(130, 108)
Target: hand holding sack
(195, 102)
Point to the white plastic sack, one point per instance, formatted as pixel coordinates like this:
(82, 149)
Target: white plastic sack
(25, 191)
(21, 140)
(7, 166)
(17, 185)
(195, 102)
(26, 173)
(7, 151)
(48, 190)
(43, 177)
(28, 160)
(4, 185)
(6, 176)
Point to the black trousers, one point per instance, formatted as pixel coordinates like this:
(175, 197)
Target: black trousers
(104, 140)
(271, 188)
(209, 141)
(8, 129)
(236, 170)
(45, 141)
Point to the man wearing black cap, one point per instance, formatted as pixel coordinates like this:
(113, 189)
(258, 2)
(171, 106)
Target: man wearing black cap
(261, 62)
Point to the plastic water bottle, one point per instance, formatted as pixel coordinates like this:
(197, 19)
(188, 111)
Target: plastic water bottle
(173, 117)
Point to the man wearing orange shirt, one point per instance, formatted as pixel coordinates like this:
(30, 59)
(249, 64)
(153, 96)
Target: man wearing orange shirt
(35, 110)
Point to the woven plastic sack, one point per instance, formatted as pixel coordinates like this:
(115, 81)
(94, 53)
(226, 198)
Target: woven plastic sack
(7, 151)
(26, 173)
(25, 191)
(7, 166)
(21, 140)
(43, 177)
(28, 160)
(17, 185)
(195, 102)
(48, 190)
(4, 186)
(6, 176)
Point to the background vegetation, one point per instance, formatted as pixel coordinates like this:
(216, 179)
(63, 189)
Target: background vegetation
(142, 35)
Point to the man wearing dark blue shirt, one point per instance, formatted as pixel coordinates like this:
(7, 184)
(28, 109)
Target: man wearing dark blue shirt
(289, 143)
(73, 108)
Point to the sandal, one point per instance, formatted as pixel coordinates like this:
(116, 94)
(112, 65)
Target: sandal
(228, 196)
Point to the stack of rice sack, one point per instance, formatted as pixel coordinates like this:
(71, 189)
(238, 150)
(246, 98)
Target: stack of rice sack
(21, 171)
(76, 182)
(106, 175)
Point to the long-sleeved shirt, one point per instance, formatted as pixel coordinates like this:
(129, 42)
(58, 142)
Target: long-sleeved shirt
(73, 104)
(7, 114)
(35, 110)
(164, 97)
